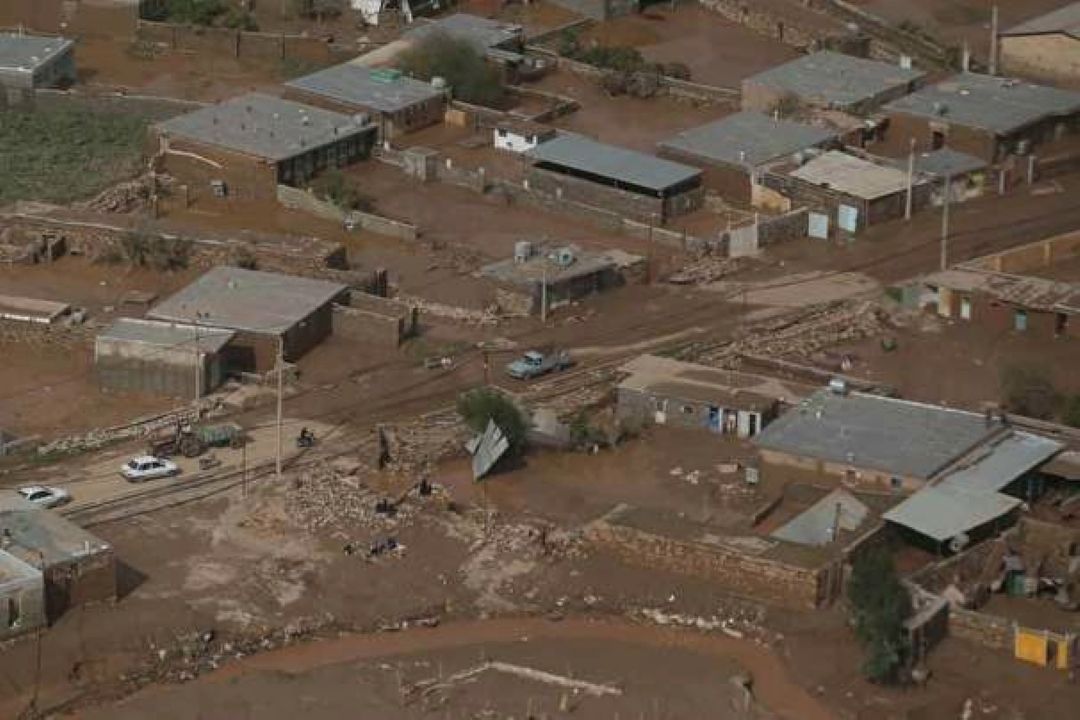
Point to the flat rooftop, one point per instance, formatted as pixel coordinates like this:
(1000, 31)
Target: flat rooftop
(899, 437)
(542, 266)
(383, 90)
(264, 126)
(26, 53)
(26, 309)
(822, 522)
(1000, 105)
(1065, 21)
(852, 175)
(835, 79)
(36, 530)
(247, 300)
(1024, 290)
(944, 162)
(611, 162)
(689, 381)
(747, 138)
(482, 33)
(160, 334)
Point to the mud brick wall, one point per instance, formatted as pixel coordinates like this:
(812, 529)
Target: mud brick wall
(303, 200)
(370, 328)
(225, 42)
(741, 574)
(1051, 58)
(989, 631)
(81, 581)
(638, 207)
(1033, 256)
(762, 21)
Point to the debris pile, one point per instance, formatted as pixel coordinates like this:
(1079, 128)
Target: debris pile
(127, 197)
(706, 269)
(488, 316)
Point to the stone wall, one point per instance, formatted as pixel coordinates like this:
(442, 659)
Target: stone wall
(367, 327)
(739, 573)
(226, 42)
(300, 199)
(643, 208)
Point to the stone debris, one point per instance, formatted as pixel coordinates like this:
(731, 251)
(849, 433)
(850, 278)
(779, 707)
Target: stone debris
(127, 197)
(707, 269)
(487, 316)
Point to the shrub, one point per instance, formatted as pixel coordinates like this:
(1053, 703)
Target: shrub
(1070, 414)
(879, 606)
(239, 19)
(477, 407)
(320, 9)
(1027, 390)
(334, 187)
(470, 76)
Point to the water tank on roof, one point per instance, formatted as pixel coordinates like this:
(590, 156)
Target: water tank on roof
(439, 83)
(523, 250)
(564, 257)
(838, 386)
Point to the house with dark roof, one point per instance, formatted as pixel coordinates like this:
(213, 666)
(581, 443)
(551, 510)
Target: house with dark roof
(248, 145)
(982, 115)
(1044, 48)
(736, 150)
(396, 103)
(28, 62)
(622, 181)
(829, 80)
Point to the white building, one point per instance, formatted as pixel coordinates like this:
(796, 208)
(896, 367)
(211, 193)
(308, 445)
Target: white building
(521, 135)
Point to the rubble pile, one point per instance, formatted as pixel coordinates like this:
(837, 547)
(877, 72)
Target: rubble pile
(706, 269)
(488, 316)
(57, 335)
(415, 447)
(126, 197)
(800, 336)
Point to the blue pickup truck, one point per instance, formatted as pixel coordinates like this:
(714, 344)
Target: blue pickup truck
(534, 364)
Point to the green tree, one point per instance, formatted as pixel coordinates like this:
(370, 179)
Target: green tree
(320, 9)
(477, 407)
(879, 606)
(1070, 415)
(1027, 390)
(469, 74)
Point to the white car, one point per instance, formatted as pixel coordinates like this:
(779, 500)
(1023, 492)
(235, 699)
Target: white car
(147, 467)
(49, 497)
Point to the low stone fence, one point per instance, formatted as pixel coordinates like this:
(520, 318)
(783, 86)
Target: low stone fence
(227, 42)
(303, 200)
(143, 427)
(752, 238)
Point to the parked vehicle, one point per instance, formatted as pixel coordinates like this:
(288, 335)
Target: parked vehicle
(148, 467)
(306, 439)
(193, 441)
(534, 364)
(49, 497)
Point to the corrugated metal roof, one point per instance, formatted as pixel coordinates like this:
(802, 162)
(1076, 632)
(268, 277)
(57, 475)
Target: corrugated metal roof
(814, 525)
(942, 513)
(612, 162)
(238, 299)
(998, 104)
(852, 175)
(747, 138)
(1002, 462)
(945, 162)
(900, 437)
(36, 529)
(24, 53)
(376, 89)
(167, 334)
(1064, 20)
(264, 126)
(834, 79)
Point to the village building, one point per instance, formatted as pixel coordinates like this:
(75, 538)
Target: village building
(736, 150)
(520, 136)
(29, 62)
(846, 193)
(47, 565)
(1044, 48)
(828, 80)
(985, 116)
(248, 145)
(161, 358)
(397, 104)
(624, 182)
(1003, 302)
(270, 313)
(663, 391)
(540, 278)
(965, 175)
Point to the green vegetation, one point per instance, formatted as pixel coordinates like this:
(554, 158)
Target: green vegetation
(470, 76)
(477, 407)
(199, 12)
(320, 9)
(629, 72)
(879, 606)
(64, 155)
(334, 187)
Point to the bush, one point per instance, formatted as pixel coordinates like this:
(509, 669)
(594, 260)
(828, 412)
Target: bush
(1028, 391)
(584, 434)
(139, 248)
(196, 12)
(320, 9)
(879, 606)
(1070, 415)
(470, 76)
(477, 407)
(334, 187)
(239, 19)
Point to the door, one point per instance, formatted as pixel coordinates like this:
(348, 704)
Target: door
(715, 415)
(818, 225)
(965, 308)
(660, 415)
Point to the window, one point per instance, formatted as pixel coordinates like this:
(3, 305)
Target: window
(895, 483)
(502, 133)
(1020, 320)
(14, 613)
(937, 140)
(688, 409)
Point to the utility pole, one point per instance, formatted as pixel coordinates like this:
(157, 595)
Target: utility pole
(543, 293)
(993, 40)
(945, 224)
(280, 393)
(910, 178)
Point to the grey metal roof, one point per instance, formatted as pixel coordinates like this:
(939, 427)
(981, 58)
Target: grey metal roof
(264, 126)
(36, 530)
(1064, 20)
(484, 34)
(813, 526)
(24, 53)
(381, 90)
(747, 138)
(998, 104)
(167, 334)
(238, 299)
(615, 163)
(942, 513)
(1002, 462)
(900, 437)
(945, 162)
(835, 79)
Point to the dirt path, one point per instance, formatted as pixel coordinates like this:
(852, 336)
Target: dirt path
(772, 684)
